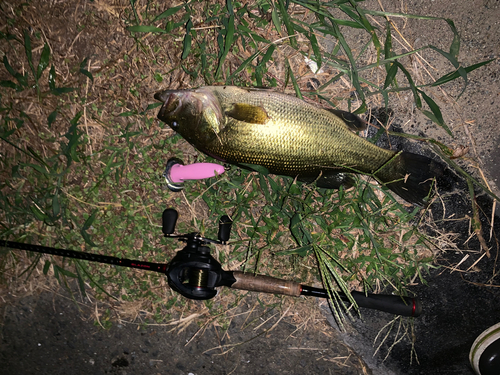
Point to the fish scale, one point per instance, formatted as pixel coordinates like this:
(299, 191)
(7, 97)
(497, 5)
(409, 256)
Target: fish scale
(307, 138)
(291, 137)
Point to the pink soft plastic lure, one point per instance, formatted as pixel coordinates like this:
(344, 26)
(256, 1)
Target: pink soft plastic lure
(196, 171)
(176, 173)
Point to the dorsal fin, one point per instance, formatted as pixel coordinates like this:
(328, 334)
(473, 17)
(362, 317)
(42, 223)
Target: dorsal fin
(248, 113)
(350, 119)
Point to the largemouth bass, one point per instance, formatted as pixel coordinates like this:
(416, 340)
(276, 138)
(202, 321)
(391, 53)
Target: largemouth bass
(290, 137)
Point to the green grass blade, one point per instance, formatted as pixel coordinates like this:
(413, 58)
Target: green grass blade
(88, 223)
(84, 71)
(296, 229)
(352, 13)
(455, 44)
(251, 35)
(52, 78)
(132, 4)
(186, 44)
(29, 55)
(276, 20)
(64, 271)
(81, 280)
(229, 6)
(22, 79)
(73, 136)
(228, 41)
(288, 24)
(447, 151)
(402, 15)
(257, 168)
(452, 59)
(322, 12)
(391, 59)
(332, 280)
(294, 81)
(150, 107)
(388, 41)
(46, 267)
(391, 69)
(44, 61)
(267, 56)
(93, 281)
(261, 67)
(436, 115)
(244, 65)
(145, 29)
(10, 85)
(169, 12)
(456, 74)
(56, 205)
(360, 17)
(30, 152)
(38, 168)
(315, 47)
(413, 87)
(391, 75)
(39, 214)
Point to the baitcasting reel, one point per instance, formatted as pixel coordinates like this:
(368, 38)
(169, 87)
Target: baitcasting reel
(195, 274)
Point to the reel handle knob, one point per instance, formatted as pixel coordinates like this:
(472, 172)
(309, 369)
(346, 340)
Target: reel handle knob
(169, 219)
(225, 224)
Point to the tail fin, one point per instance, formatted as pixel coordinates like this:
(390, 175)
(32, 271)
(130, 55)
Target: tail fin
(411, 176)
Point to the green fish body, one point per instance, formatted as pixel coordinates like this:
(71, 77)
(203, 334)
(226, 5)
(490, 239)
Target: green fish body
(291, 137)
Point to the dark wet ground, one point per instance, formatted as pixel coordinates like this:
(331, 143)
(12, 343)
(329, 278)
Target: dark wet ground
(46, 335)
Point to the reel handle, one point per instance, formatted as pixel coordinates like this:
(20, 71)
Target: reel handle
(225, 224)
(169, 219)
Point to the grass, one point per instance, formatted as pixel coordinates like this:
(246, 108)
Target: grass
(83, 152)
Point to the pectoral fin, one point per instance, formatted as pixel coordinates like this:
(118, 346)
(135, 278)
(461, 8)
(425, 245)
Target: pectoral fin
(330, 180)
(248, 113)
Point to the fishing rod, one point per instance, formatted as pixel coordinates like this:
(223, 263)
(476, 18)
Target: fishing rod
(196, 274)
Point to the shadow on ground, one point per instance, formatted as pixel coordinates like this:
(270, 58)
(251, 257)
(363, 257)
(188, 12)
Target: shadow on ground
(46, 335)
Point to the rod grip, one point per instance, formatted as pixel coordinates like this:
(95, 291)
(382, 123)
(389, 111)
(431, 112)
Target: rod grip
(265, 284)
(405, 306)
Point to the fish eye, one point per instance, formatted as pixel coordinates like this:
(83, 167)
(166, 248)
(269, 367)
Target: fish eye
(175, 124)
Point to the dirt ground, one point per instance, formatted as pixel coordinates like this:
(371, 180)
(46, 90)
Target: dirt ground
(49, 333)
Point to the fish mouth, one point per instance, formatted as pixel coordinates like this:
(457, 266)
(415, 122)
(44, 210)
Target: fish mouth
(162, 96)
(171, 102)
